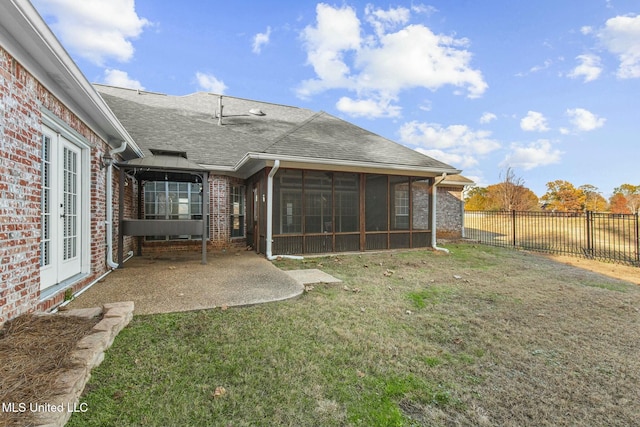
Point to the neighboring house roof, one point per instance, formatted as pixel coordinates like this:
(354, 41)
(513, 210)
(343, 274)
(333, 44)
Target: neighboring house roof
(25, 35)
(255, 132)
(456, 181)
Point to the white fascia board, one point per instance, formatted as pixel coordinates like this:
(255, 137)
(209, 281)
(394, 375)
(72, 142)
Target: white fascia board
(343, 164)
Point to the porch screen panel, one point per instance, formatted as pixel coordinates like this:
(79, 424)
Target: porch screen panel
(376, 210)
(318, 202)
(420, 194)
(347, 200)
(287, 202)
(399, 202)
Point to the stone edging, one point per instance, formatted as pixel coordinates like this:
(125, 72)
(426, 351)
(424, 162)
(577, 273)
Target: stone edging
(89, 353)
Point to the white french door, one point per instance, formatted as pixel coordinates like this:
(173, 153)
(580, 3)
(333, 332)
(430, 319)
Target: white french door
(60, 245)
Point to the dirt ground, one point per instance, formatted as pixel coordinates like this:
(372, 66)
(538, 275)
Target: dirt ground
(618, 271)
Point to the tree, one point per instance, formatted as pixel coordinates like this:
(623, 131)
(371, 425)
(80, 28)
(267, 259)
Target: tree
(618, 204)
(593, 199)
(563, 196)
(476, 199)
(511, 194)
(632, 194)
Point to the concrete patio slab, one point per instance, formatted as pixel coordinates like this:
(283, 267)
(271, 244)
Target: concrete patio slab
(312, 276)
(179, 282)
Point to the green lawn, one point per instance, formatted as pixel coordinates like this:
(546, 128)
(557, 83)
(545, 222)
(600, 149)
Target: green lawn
(483, 336)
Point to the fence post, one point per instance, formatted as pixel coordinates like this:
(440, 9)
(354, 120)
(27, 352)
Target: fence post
(637, 240)
(513, 225)
(589, 234)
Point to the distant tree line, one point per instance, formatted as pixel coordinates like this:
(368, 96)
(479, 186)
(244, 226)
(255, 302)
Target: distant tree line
(561, 196)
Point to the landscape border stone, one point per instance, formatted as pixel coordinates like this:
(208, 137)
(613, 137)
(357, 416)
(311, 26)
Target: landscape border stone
(89, 353)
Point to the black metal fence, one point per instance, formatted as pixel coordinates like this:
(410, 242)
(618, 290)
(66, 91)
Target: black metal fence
(602, 236)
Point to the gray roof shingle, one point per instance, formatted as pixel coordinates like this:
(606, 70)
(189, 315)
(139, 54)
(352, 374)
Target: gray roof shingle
(190, 124)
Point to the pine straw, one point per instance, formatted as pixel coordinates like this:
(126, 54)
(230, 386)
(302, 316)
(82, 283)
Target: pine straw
(34, 351)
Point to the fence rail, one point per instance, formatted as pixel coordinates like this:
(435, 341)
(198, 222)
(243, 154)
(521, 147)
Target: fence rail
(602, 236)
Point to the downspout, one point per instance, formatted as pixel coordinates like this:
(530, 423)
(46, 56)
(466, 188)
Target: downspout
(433, 214)
(109, 196)
(269, 236)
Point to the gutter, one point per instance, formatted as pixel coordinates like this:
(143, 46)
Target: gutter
(109, 196)
(434, 215)
(269, 236)
(338, 163)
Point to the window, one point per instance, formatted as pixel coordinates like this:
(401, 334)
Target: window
(236, 199)
(172, 200)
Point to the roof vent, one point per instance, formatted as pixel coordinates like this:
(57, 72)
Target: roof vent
(256, 112)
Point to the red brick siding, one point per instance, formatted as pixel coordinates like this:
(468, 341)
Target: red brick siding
(21, 96)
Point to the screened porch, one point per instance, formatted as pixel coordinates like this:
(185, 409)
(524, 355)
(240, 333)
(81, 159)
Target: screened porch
(323, 212)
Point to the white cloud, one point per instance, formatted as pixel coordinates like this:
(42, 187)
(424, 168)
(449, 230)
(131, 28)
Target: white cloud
(589, 68)
(534, 122)
(621, 37)
(385, 20)
(379, 65)
(425, 9)
(584, 120)
(336, 32)
(547, 63)
(261, 39)
(210, 83)
(456, 144)
(586, 30)
(367, 108)
(96, 30)
(530, 156)
(487, 117)
(462, 161)
(120, 78)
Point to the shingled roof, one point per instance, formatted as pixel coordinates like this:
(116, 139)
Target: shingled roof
(190, 124)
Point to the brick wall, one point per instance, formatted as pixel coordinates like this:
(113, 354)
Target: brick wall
(21, 96)
(19, 189)
(449, 212)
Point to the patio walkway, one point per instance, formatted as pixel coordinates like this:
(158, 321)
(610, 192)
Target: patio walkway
(178, 282)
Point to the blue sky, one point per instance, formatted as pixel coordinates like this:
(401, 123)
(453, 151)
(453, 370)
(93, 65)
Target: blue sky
(550, 88)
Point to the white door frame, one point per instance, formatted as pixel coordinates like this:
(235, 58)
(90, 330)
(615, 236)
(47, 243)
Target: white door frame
(59, 262)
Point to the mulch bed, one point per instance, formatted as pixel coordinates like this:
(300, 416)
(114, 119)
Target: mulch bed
(34, 351)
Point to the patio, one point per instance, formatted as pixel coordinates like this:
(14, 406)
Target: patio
(176, 282)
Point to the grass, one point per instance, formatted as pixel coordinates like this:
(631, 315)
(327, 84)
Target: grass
(484, 336)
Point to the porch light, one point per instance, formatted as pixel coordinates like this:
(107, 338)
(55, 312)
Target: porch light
(107, 160)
